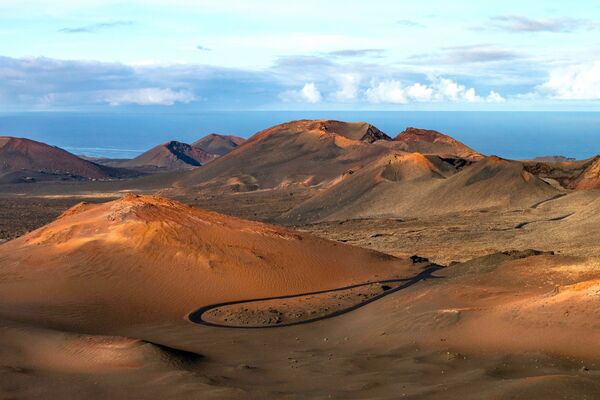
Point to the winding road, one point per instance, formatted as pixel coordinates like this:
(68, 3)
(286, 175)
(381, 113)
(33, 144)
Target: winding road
(196, 316)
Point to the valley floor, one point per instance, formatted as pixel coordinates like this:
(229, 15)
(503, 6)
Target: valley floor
(499, 323)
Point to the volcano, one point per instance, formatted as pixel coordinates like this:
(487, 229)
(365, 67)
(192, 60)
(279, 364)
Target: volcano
(24, 160)
(171, 156)
(218, 144)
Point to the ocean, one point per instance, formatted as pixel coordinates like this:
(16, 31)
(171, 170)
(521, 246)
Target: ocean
(514, 135)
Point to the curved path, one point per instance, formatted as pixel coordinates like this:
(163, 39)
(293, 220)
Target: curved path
(539, 203)
(196, 316)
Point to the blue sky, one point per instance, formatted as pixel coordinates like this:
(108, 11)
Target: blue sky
(299, 55)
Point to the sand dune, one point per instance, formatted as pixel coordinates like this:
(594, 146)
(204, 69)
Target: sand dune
(143, 259)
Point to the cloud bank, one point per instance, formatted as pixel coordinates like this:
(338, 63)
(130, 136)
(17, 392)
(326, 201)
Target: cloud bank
(44, 83)
(576, 82)
(437, 90)
(145, 97)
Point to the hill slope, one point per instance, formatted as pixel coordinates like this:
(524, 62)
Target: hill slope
(218, 144)
(589, 177)
(298, 153)
(413, 184)
(23, 159)
(170, 156)
(433, 142)
(143, 258)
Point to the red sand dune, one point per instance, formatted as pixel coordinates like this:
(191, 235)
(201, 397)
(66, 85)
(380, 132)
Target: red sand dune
(142, 259)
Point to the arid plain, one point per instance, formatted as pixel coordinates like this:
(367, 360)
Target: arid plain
(316, 259)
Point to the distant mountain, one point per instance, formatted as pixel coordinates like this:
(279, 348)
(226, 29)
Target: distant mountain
(25, 160)
(302, 153)
(553, 159)
(218, 144)
(433, 142)
(170, 156)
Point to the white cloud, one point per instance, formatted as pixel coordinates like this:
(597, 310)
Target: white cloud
(438, 90)
(308, 94)
(447, 89)
(420, 92)
(495, 97)
(348, 87)
(390, 91)
(576, 82)
(145, 97)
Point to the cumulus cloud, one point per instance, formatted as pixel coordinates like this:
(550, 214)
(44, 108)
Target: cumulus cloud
(518, 23)
(308, 94)
(437, 90)
(93, 28)
(145, 97)
(576, 82)
(495, 97)
(391, 91)
(347, 87)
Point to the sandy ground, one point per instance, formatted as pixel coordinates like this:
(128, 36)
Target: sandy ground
(502, 326)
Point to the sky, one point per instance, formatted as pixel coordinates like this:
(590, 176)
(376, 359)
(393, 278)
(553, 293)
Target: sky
(299, 55)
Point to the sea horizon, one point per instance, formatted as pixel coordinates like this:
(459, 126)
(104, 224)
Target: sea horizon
(126, 134)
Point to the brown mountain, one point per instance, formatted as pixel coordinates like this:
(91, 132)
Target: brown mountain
(170, 156)
(299, 153)
(408, 185)
(576, 174)
(433, 142)
(361, 131)
(589, 177)
(218, 144)
(28, 160)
